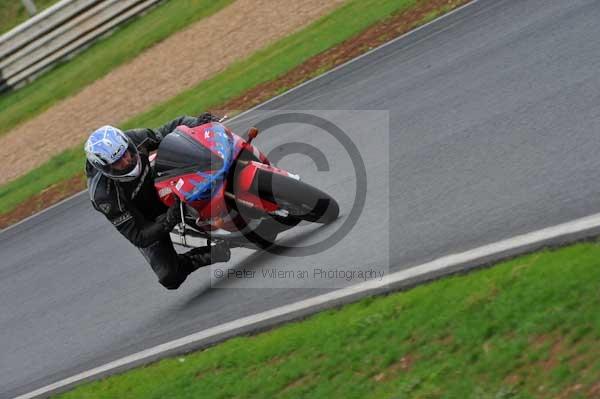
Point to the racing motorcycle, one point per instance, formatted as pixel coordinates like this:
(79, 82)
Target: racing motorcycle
(229, 190)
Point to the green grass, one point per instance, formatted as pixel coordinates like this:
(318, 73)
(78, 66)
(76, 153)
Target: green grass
(125, 44)
(275, 60)
(526, 328)
(263, 66)
(12, 12)
(61, 167)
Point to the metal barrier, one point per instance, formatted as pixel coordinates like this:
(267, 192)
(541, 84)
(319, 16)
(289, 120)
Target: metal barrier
(56, 33)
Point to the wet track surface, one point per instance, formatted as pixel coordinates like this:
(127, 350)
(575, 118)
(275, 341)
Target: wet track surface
(493, 131)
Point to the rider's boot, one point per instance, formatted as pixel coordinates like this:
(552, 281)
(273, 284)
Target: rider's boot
(204, 256)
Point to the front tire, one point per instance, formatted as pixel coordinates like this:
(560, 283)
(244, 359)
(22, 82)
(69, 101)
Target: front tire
(301, 200)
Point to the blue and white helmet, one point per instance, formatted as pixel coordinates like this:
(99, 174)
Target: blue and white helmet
(110, 151)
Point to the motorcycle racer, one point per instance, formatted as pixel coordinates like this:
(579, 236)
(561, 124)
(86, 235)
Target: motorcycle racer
(120, 183)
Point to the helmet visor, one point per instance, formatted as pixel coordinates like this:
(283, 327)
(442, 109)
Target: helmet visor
(127, 165)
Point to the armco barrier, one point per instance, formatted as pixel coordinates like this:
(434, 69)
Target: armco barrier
(58, 32)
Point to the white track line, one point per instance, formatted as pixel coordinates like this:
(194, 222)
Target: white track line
(319, 302)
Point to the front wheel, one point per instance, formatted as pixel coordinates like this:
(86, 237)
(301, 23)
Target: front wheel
(301, 200)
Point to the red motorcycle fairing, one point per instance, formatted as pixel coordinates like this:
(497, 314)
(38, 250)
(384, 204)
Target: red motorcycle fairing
(245, 181)
(168, 189)
(216, 207)
(239, 144)
(198, 166)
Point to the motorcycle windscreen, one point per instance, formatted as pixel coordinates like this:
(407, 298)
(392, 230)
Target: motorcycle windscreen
(179, 153)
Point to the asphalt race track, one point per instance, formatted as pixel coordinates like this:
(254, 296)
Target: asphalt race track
(494, 130)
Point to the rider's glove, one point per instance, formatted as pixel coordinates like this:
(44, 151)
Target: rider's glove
(172, 217)
(207, 117)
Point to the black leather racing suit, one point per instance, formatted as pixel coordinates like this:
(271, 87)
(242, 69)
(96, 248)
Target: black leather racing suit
(135, 209)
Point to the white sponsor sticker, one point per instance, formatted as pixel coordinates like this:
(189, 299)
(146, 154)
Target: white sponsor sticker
(179, 184)
(163, 192)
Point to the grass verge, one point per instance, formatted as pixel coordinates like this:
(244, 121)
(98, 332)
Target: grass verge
(527, 328)
(275, 60)
(125, 44)
(12, 12)
(319, 47)
(63, 167)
